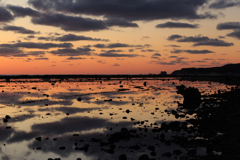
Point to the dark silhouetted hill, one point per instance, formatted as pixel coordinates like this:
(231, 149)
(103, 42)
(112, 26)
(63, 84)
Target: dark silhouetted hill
(228, 69)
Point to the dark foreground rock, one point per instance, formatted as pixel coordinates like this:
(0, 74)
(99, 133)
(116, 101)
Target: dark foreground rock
(215, 128)
(191, 95)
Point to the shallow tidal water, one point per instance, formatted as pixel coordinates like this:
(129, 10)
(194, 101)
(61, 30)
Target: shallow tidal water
(84, 119)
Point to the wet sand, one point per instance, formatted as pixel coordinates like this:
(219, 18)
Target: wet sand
(93, 118)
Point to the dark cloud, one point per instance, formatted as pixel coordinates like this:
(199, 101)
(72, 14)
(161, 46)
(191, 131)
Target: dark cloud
(46, 38)
(221, 4)
(173, 37)
(15, 52)
(235, 34)
(215, 43)
(101, 61)
(69, 23)
(166, 63)
(173, 57)
(177, 51)
(8, 52)
(172, 46)
(73, 37)
(193, 51)
(41, 59)
(131, 50)
(36, 53)
(113, 45)
(201, 41)
(120, 23)
(148, 50)
(228, 25)
(17, 29)
(198, 61)
(207, 59)
(22, 12)
(72, 52)
(198, 51)
(145, 37)
(193, 39)
(75, 58)
(116, 64)
(5, 15)
(157, 54)
(128, 10)
(177, 25)
(37, 45)
(30, 37)
(112, 53)
(118, 45)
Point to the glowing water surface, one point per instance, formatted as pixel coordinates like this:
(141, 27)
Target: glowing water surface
(67, 115)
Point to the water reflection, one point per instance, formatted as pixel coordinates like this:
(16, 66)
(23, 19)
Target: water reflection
(93, 120)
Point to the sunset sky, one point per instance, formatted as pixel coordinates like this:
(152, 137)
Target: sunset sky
(117, 36)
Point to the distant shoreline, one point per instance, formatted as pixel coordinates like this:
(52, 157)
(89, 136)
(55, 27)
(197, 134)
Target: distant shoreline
(226, 79)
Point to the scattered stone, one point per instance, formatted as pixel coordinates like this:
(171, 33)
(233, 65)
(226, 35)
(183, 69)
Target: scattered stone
(177, 152)
(167, 154)
(5, 120)
(39, 138)
(145, 84)
(151, 148)
(144, 157)
(7, 117)
(153, 153)
(62, 148)
(122, 157)
(128, 111)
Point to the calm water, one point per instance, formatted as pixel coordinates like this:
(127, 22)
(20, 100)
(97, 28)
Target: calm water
(75, 119)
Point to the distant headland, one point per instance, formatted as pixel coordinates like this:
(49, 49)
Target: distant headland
(228, 69)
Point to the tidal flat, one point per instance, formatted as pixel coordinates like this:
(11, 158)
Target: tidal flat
(117, 119)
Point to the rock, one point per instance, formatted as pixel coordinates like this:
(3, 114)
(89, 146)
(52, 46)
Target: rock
(192, 152)
(128, 111)
(151, 148)
(191, 95)
(153, 153)
(167, 154)
(135, 147)
(110, 151)
(39, 138)
(177, 152)
(79, 99)
(144, 157)
(62, 148)
(122, 157)
(145, 84)
(7, 117)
